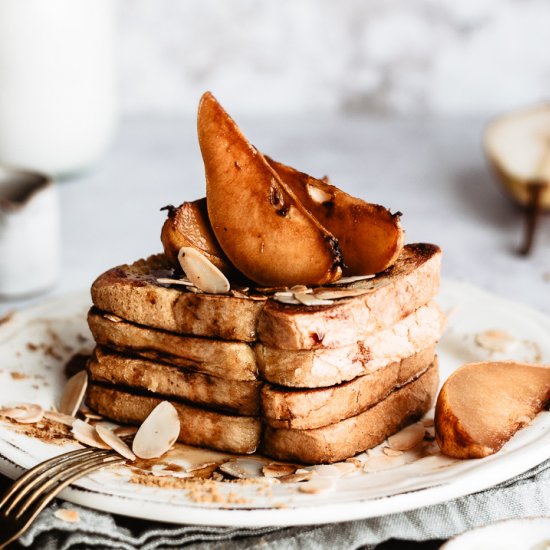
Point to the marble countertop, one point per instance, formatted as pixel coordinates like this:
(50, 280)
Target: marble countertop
(431, 170)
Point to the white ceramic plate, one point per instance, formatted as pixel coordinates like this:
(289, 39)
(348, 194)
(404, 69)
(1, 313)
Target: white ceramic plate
(35, 344)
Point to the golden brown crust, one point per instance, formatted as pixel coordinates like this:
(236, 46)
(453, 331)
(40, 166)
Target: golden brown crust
(198, 427)
(229, 360)
(313, 408)
(237, 397)
(356, 434)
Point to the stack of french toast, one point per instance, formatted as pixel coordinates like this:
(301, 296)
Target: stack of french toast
(284, 316)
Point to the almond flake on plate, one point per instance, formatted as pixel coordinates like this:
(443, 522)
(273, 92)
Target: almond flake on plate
(84, 433)
(158, 433)
(391, 452)
(55, 416)
(407, 438)
(243, 468)
(202, 272)
(68, 515)
(275, 469)
(496, 341)
(383, 462)
(297, 477)
(311, 299)
(109, 437)
(317, 485)
(23, 413)
(73, 393)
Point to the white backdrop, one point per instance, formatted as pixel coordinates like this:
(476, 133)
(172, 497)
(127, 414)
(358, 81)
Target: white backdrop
(444, 57)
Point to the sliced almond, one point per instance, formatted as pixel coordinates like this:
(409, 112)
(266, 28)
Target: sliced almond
(125, 431)
(388, 451)
(297, 477)
(202, 272)
(317, 485)
(301, 288)
(498, 341)
(290, 300)
(60, 417)
(318, 195)
(87, 434)
(341, 293)
(329, 470)
(352, 279)
(383, 462)
(73, 393)
(68, 515)
(23, 413)
(110, 438)
(275, 469)
(284, 294)
(168, 281)
(113, 318)
(408, 438)
(158, 433)
(243, 468)
(311, 299)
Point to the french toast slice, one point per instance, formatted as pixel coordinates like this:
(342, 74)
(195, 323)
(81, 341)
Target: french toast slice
(133, 293)
(323, 367)
(222, 358)
(198, 427)
(412, 281)
(235, 396)
(356, 434)
(302, 409)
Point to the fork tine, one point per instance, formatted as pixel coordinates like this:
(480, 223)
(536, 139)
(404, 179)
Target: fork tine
(39, 468)
(35, 476)
(46, 493)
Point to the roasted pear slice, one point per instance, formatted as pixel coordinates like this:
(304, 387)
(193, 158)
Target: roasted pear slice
(261, 226)
(482, 405)
(370, 236)
(188, 225)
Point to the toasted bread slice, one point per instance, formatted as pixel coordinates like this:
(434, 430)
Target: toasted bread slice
(199, 427)
(134, 293)
(323, 367)
(228, 360)
(392, 295)
(312, 408)
(234, 396)
(356, 434)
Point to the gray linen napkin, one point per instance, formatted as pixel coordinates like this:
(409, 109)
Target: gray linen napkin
(523, 496)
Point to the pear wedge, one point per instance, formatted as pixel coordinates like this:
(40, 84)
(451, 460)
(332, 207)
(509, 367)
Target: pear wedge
(482, 405)
(188, 225)
(518, 148)
(263, 229)
(370, 236)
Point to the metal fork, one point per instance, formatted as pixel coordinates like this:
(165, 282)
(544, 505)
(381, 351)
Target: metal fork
(34, 490)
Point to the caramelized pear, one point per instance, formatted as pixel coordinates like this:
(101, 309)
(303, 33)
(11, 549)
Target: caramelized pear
(370, 236)
(482, 405)
(262, 227)
(188, 225)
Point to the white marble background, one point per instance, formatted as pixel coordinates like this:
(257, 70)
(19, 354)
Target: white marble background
(411, 57)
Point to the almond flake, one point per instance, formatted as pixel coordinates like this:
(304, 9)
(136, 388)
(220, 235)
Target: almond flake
(496, 341)
(125, 431)
(289, 300)
(113, 318)
(275, 469)
(23, 413)
(408, 438)
(328, 470)
(158, 433)
(341, 293)
(68, 515)
(283, 294)
(88, 435)
(301, 288)
(352, 279)
(310, 299)
(202, 272)
(388, 451)
(168, 281)
(317, 485)
(345, 467)
(297, 477)
(317, 194)
(110, 438)
(55, 416)
(73, 393)
(383, 462)
(243, 468)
